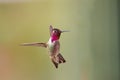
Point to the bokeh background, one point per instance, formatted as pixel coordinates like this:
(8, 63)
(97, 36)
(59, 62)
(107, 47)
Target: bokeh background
(91, 48)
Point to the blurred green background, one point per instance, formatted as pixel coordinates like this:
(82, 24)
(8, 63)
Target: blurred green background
(91, 48)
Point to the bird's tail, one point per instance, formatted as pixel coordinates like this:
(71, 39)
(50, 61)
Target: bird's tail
(61, 59)
(58, 60)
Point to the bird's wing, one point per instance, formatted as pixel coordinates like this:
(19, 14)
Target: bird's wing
(37, 44)
(50, 29)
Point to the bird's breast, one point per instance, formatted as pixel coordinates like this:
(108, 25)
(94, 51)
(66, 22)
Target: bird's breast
(50, 45)
(53, 47)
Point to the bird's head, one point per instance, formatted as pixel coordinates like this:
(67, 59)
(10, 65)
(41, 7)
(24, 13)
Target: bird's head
(55, 33)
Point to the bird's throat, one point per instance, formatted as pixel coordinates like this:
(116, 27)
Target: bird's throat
(54, 38)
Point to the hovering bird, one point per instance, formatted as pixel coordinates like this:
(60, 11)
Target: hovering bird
(53, 46)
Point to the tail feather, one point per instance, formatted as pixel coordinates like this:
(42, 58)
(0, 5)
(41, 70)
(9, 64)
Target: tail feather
(58, 60)
(61, 59)
(54, 62)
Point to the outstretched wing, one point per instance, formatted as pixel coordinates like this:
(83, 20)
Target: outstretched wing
(35, 44)
(50, 28)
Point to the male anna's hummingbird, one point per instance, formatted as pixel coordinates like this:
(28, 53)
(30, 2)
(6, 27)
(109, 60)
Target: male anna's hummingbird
(53, 45)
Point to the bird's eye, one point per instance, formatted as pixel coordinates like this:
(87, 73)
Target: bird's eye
(55, 31)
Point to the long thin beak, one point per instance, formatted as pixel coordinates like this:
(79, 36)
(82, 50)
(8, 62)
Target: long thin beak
(64, 31)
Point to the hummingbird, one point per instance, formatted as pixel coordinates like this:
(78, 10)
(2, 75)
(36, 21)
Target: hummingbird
(53, 46)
